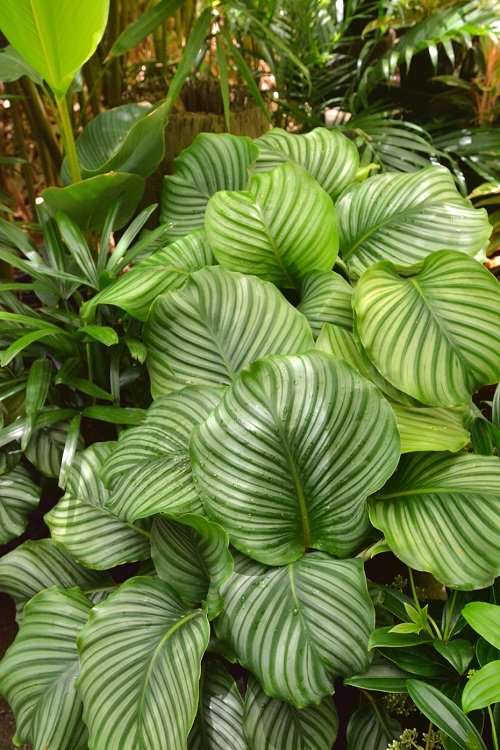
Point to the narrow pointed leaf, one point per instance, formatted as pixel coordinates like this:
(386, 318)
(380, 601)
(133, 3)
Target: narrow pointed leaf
(458, 652)
(77, 245)
(371, 730)
(104, 334)
(144, 25)
(485, 619)
(381, 676)
(19, 496)
(115, 414)
(37, 386)
(326, 298)
(483, 688)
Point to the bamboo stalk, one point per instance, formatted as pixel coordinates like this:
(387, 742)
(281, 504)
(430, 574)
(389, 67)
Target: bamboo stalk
(39, 120)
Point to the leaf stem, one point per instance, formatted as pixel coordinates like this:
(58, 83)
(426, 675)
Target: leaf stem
(435, 626)
(68, 138)
(413, 589)
(428, 740)
(447, 624)
(494, 735)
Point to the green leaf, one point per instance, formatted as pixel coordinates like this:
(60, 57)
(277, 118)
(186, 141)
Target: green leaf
(216, 325)
(315, 440)
(139, 684)
(387, 637)
(419, 660)
(46, 447)
(445, 714)
(191, 554)
(485, 619)
(55, 38)
(144, 25)
(20, 344)
(284, 224)
(37, 387)
(115, 414)
(20, 495)
(330, 157)
(381, 676)
(440, 513)
(404, 217)
(371, 729)
(104, 334)
(485, 652)
(213, 162)
(16, 429)
(82, 522)
(298, 627)
(13, 66)
(271, 724)
(78, 247)
(458, 652)
(325, 297)
(149, 471)
(430, 428)
(70, 448)
(483, 688)
(38, 671)
(423, 319)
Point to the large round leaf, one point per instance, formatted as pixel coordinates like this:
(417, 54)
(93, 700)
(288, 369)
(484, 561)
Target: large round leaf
(19, 495)
(280, 227)
(405, 217)
(435, 335)
(298, 627)
(287, 459)
(441, 513)
(216, 325)
(39, 669)
(326, 298)
(139, 678)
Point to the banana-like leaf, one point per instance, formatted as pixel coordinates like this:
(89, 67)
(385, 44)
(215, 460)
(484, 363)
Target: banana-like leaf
(405, 217)
(82, 522)
(298, 627)
(306, 440)
(271, 724)
(441, 513)
(149, 471)
(35, 566)
(330, 157)
(219, 720)
(213, 162)
(483, 688)
(20, 495)
(371, 730)
(139, 683)
(191, 554)
(216, 325)
(38, 671)
(434, 335)
(325, 297)
(280, 227)
(485, 619)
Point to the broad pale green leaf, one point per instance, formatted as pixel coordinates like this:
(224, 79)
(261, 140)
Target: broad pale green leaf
(371, 730)
(434, 335)
(39, 669)
(381, 676)
(306, 440)
(326, 298)
(55, 38)
(191, 555)
(485, 619)
(219, 719)
(440, 513)
(458, 652)
(139, 683)
(213, 162)
(330, 157)
(282, 226)
(271, 724)
(19, 495)
(298, 627)
(404, 217)
(149, 471)
(216, 325)
(82, 522)
(483, 688)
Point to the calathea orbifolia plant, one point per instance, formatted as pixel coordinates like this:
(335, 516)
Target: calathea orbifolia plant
(269, 468)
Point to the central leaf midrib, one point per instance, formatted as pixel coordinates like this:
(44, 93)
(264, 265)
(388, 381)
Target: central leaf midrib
(274, 247)
(431, 491)
(304, 517)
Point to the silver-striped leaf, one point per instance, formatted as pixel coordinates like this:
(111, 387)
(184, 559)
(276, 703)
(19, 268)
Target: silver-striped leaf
(216, 325)
(434, 335)
(191, 554)
(330, 157)
(298, 627)
(139, 676)
(82, 521)
(404, 217)
(282, 226)
(19, 495)
(370, 729)
(271, 724)
(325, 297)
(286, 461)
(46, 447)
(213, 162)
(441, 513)
(149, 471)
(37, 673)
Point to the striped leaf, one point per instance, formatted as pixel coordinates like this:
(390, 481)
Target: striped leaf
(483, 688)
(371, 729)
(149, 471)
(216, 325)
(213, 162)
(298, 627)
(287, 459)
(19, 495)
(219, 720)
(191, 555)
(280, 227)
(405, 217)
(485, 619)
(35, 566)
(434, 335)
(82, 522)
(271, 724)
(441, 513)
(38, 671)
(326, 298)
(46, 447)
(330, 157)
(139, 683)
